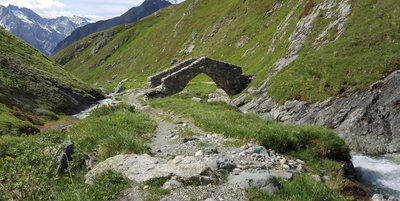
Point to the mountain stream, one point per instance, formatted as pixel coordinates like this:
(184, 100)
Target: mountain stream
(380, 174)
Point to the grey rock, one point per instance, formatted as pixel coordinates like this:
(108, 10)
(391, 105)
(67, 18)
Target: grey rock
(115, 76)
(155, 94)
(316, 178)
(216, 164)
(91, 161)
(326, 178)
(144, 167)
(283, 161)
(199, 153)
(120, 88)
(172, 184)
(282, 174)
(197, 99)
(301, 168)
(258, 150)
(63, 155)
(123, 81)
(210, 199)
(212, 150)
(263, 181)
(227, 165)
(104, 91)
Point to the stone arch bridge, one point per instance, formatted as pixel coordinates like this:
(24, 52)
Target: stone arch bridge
(226, 76)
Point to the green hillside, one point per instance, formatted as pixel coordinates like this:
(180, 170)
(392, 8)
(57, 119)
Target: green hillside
(35, 89)
(255, 35)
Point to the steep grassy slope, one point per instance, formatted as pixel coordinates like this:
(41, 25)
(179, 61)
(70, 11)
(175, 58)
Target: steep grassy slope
(306, 50)
(33, 88)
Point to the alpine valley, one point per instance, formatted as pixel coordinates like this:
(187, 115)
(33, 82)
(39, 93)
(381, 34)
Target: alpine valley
(210, 100)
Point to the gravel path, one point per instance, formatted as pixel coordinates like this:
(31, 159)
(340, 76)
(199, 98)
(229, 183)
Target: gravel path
(176, 135)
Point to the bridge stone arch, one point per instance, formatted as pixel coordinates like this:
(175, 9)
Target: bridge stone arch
(226, 76)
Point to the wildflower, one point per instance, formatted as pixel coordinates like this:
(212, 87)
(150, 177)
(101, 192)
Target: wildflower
(9, 159)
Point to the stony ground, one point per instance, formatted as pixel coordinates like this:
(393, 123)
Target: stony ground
(176, 135)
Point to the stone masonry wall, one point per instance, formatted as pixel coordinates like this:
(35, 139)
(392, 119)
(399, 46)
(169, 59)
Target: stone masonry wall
(226, 76)
(155, 80)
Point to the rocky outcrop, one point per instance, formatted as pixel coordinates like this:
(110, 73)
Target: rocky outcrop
(144, 167)
(368, 121)
(226, 76)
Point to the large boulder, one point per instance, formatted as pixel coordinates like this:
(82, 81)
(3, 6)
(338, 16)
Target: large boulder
(263, 181)
(144, 167)
(63, 155)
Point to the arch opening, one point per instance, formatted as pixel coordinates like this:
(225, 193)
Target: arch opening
(202, 84)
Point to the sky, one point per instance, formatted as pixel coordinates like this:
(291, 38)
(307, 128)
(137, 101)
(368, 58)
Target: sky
(93, 9)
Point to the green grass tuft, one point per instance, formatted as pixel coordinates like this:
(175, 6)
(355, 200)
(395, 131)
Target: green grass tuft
(110, 131)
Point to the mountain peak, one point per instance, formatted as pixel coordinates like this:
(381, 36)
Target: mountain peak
(41, 33)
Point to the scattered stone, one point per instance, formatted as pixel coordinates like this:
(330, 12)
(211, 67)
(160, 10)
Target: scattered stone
(282, 174)
(300, 161)
(301, 168)
(212, 150)
(326, 178)
(228, 165)
(104, 91)
(91, 161)
(199, 153)
(322, 172)
(115, 76)
(222, 171)
(210, 199)
(156, 94)
(172, 184)
(120, 88)
(263, 181)
(316, 178)
(197, 99)
(123, 81)
(259, 150)
(283, 161)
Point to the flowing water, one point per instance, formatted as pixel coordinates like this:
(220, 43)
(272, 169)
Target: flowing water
(83, 114)
(381, 175)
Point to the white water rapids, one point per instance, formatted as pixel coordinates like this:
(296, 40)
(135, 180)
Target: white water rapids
(83, 114)
(381, 175)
